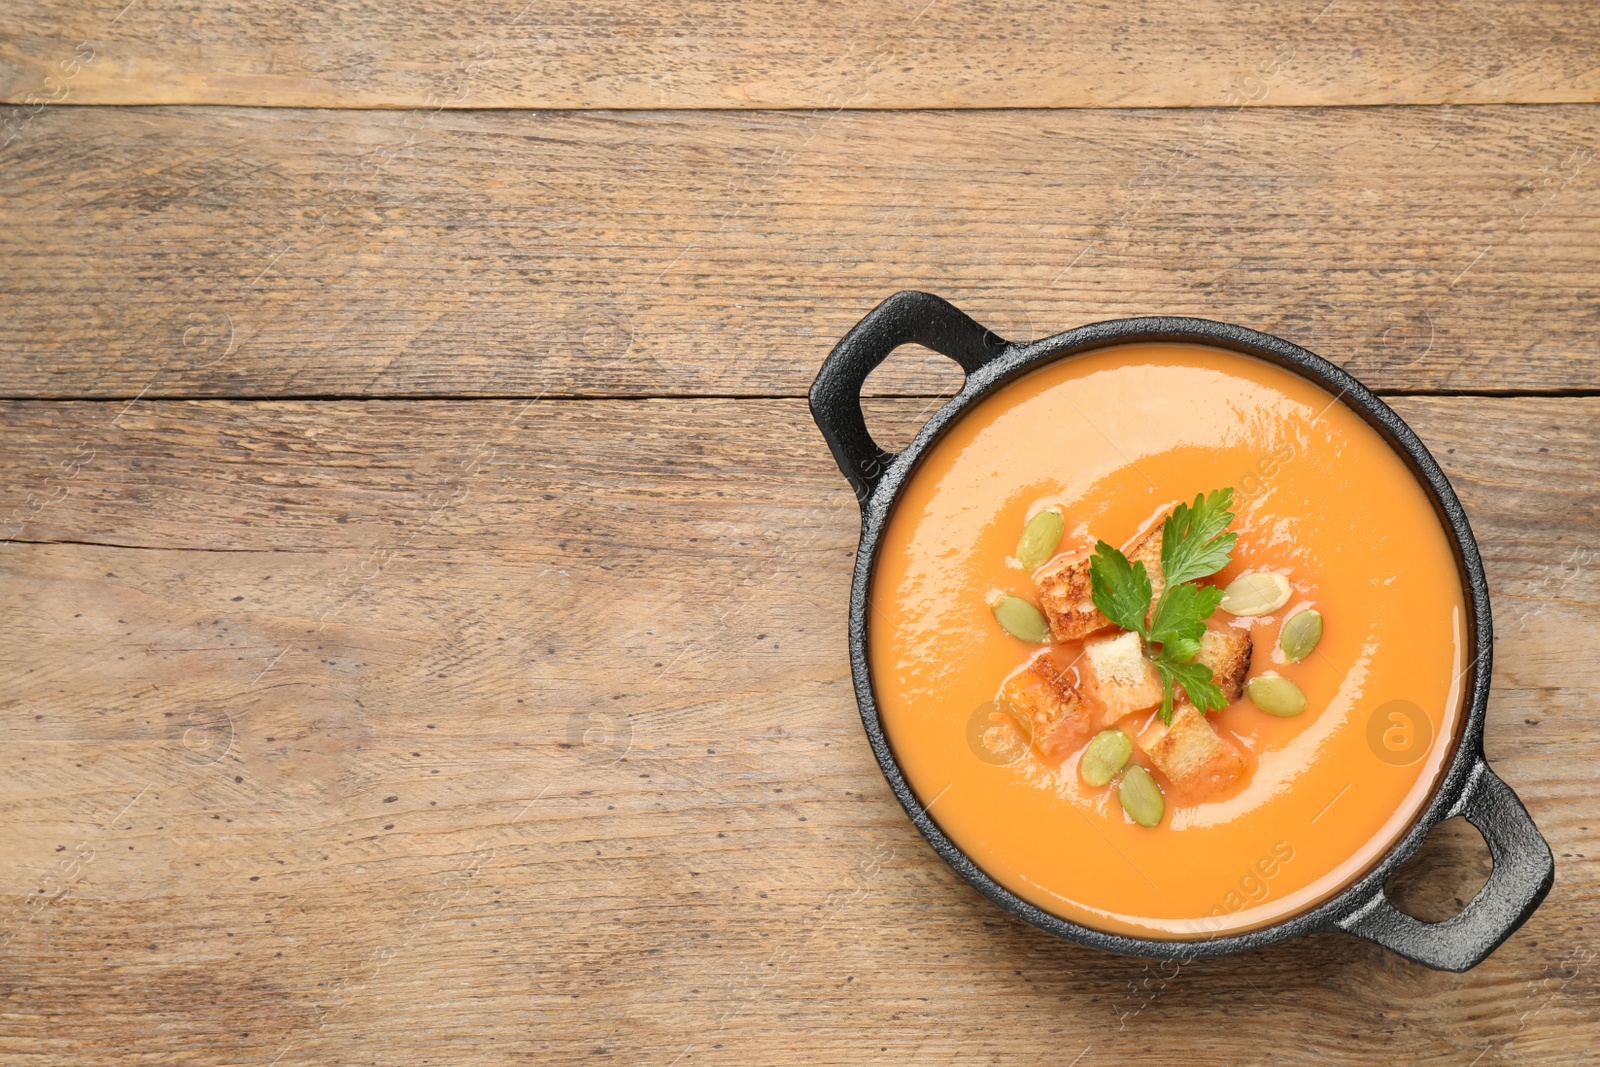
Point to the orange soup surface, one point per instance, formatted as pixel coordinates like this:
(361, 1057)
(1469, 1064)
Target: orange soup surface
(1115, 438)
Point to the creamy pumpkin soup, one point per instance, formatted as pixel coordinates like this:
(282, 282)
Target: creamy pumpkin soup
(1169, 639)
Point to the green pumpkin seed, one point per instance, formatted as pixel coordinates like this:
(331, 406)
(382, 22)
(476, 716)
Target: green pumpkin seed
(1275, 695)
(1141, 796)
(1021, 620)
(1040, 539)
(1106, 755)
(1256, 594)
(1300, 634)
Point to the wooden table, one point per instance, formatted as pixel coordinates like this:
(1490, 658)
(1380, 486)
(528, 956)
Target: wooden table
(424, 589)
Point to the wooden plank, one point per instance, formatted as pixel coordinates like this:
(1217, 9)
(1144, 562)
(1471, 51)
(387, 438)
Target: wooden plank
(495, 732)
(883, 54)
(219, 252)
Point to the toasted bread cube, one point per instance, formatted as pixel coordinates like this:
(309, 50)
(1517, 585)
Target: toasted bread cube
(1195, 760)
(1148, 552)
(1066, 597)
(1048, 696)
(1226, 650)
(1120, 677)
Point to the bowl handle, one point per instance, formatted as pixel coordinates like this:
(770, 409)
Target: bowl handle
(836, 394)
(1523, 873)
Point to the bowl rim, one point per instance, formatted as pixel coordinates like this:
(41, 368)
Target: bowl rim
(1466, 751)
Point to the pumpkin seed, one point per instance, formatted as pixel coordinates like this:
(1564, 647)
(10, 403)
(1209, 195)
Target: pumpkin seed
(1021, 620)
(1141, 796)
(1300, 634)
(1040, 539)
(1256, 594)
(1106, 755)
(1275, 695)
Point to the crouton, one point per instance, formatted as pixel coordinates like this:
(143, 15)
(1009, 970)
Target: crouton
(1226, 650)
(1148, 552)
(1195, 760)
(1066, 597)
(1047, 696)
(1119, 676)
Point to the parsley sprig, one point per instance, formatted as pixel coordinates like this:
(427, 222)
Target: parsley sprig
(1194, 544)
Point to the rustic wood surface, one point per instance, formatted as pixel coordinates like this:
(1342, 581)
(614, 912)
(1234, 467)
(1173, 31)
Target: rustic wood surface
(223, 252)
(876, 53)
(494, 732)
(424, 591)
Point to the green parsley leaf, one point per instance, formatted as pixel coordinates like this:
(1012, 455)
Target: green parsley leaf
(1164, 669)
(1197, 682)
(1121, 590)
(1192, 542)
(1181, 649)
(1180, 619)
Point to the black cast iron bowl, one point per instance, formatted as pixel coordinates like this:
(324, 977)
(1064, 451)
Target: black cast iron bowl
(1523, 867)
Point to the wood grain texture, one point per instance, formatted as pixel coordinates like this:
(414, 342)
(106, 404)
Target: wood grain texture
(879, 54)
(482, 731)
(221, 252)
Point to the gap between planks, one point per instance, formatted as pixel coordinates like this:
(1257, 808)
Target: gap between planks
(1581, 99)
